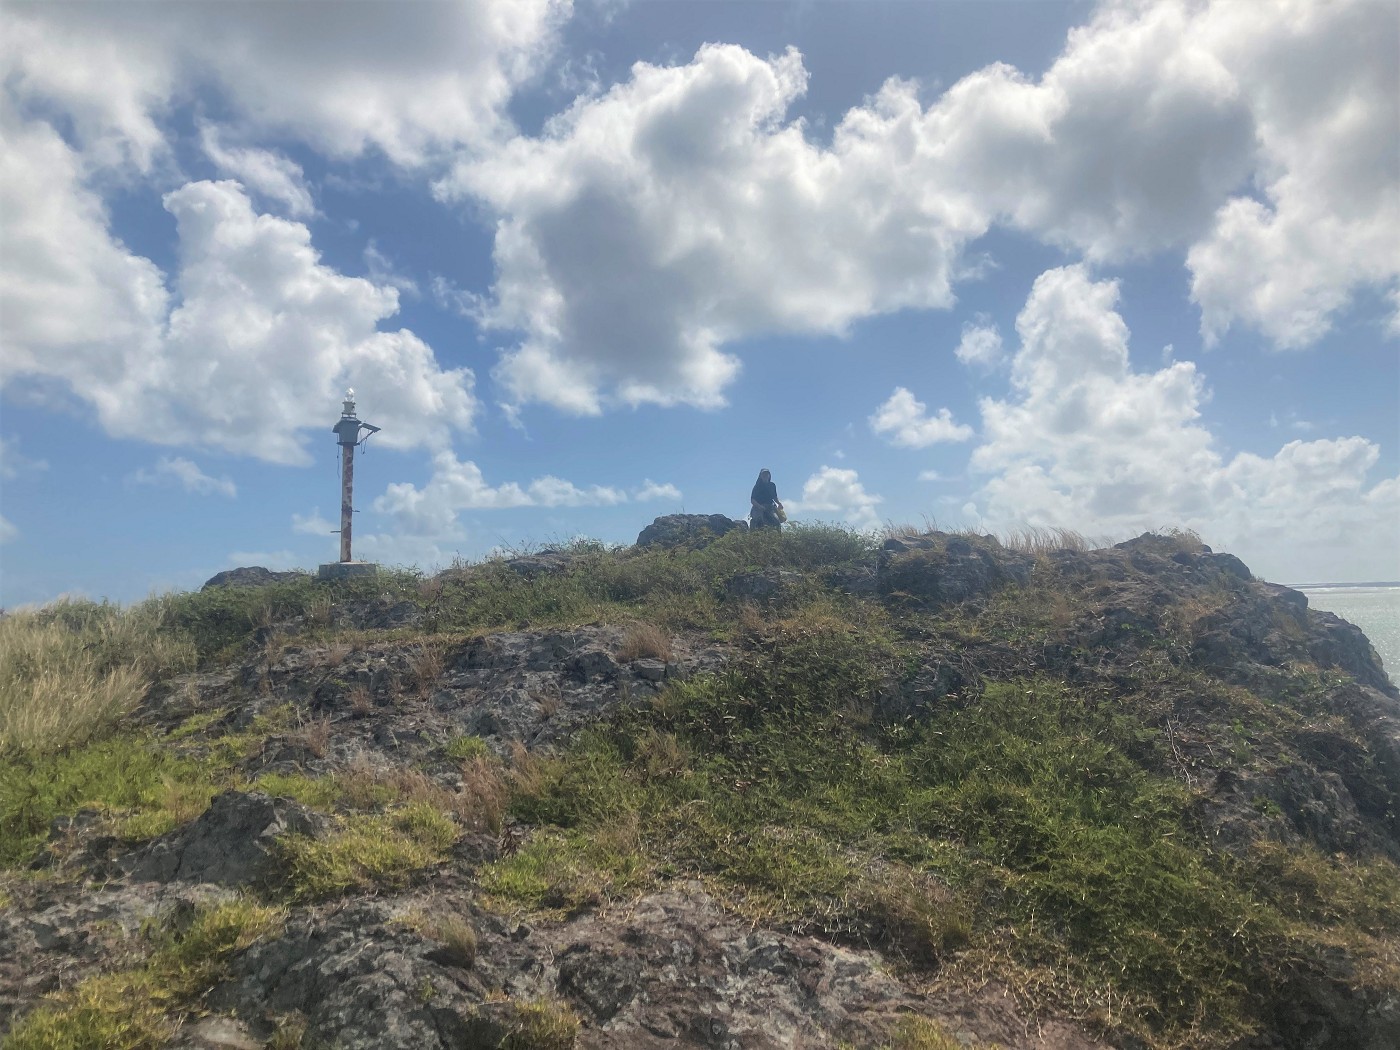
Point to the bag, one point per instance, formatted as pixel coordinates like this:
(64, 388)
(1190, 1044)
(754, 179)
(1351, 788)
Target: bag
(782, 514)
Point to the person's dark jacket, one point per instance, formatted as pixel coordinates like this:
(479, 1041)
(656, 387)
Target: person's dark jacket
(764, 492)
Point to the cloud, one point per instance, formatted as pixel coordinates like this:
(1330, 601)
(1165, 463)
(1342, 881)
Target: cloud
(834, 490)
(980, 344)
(13, 463)
(903, 421)
(654, 224)
(175, 470)
(651, 491)
(254, 346)
(458, 485)
(368, 78)
(1087, 443)
(262, 171)
(382, 272)
(1323, 85)
(676, 212)
(8, 533)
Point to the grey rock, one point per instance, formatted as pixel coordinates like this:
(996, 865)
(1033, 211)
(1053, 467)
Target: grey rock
(250, 576)
(687, 530)
(939, 569)
(651, 670)
(541, 563)
(231, 844)
(216, 1033)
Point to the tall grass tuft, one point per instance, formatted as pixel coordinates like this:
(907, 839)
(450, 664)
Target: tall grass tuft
(70, 670)
(1040, 539)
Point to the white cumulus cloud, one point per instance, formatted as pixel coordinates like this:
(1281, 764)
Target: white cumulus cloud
(838, 491)
(905, 422)
(13, 463)
(254, 346)
(654, 224)
(412, 83)
(176, 470)
(457, 485)
(980, 345)
(1087, 443)
(651, 490)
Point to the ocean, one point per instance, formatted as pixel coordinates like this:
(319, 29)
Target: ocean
(1375, 608)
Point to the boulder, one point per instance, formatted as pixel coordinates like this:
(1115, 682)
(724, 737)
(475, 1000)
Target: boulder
(941, 570)
(250, 576)
(230, 845)
(686, 530)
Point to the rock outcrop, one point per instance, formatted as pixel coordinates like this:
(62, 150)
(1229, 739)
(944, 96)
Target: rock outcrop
(249, 576)
(687, 530)
(1275, 723)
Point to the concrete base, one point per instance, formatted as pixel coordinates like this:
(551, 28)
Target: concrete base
(345, 570)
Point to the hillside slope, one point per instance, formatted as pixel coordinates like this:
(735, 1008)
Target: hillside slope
(749, 791)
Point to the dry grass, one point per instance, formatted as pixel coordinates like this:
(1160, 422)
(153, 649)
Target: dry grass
(1188, 540)
(750, 622)
(290, 1033)
(456, 935)
(318, 611)
(425, 667)
(1037, 539)
(361, 703)
(332, 656)
(315, 736)
(70, 670)
(485, 795)
(644, 641)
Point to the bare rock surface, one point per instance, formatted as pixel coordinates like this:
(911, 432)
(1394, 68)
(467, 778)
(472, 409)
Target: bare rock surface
(230, 844)
(687, 530)
(249, 576)
(671, 970)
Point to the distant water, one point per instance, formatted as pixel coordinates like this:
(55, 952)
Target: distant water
(1375, 608)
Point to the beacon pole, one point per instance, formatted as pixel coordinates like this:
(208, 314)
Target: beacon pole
(347, 433)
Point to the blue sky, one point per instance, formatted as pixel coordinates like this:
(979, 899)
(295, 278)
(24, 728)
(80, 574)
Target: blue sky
(1106, 267)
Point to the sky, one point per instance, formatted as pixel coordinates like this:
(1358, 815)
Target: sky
(994, 265)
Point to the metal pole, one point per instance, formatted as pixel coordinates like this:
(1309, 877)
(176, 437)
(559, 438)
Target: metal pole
(347, 487)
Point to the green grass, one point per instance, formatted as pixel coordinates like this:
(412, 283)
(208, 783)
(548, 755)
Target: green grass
(378, 850)
(139, 1009)
(466, 747)
(1024, 831)
(319, 793)
(144, 787)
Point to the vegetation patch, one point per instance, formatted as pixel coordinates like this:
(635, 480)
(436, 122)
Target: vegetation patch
(140, 1009)
(367, 851)
(144, 788)
(1025, 831)
(466, 746)
(71, 670)
(544, 1024)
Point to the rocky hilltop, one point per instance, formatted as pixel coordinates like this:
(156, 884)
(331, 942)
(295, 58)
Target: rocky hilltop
(716, 790)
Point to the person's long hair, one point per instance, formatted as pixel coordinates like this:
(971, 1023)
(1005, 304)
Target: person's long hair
(765, 475)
